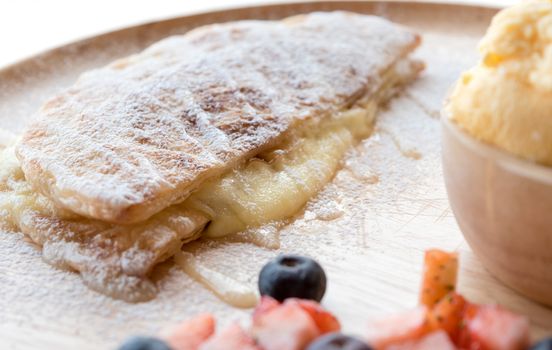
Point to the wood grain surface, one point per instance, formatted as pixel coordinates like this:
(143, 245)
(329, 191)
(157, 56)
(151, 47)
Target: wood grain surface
(368, 228)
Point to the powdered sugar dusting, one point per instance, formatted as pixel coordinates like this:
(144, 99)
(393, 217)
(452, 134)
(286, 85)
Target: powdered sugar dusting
(372, 253)
(266, 236)
(117, 259)
(134, 137)
(327, 206)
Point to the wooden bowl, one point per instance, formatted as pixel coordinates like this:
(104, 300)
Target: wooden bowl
(503, 206)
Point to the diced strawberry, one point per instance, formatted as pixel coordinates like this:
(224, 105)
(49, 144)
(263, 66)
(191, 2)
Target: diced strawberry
(325, 321)
(232, 338)
(438, 340)
(491, 327)
(395, 329)
(439, 277)
(189, 334)
(264, 306)
(283, 327)
(448, 315)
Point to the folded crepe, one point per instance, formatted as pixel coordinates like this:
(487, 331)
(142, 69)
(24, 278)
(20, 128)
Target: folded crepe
(226, 127)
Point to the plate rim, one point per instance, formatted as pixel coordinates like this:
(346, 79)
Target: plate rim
(42, 54)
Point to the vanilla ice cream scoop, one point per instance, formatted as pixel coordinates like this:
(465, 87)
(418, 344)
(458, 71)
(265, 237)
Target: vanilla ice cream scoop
(506, 100)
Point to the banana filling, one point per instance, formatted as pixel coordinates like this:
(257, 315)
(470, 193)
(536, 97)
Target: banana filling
(117, 259)
(276, 184)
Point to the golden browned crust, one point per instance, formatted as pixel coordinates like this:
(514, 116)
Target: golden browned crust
(130, 139)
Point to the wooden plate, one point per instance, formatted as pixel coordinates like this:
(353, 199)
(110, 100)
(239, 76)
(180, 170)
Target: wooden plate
(386, 206)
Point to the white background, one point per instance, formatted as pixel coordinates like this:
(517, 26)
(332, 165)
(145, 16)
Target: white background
(30, 26)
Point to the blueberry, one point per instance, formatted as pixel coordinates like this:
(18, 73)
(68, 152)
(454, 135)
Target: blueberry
(545, 344)
(335, 341)
(292, 276)
(144, 343)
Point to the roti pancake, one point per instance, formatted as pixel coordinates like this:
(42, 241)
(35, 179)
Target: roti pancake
(117, 259)
(274, 183)
(141, 134)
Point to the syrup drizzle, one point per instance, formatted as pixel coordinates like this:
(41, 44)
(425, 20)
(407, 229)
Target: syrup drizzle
(226, 288)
